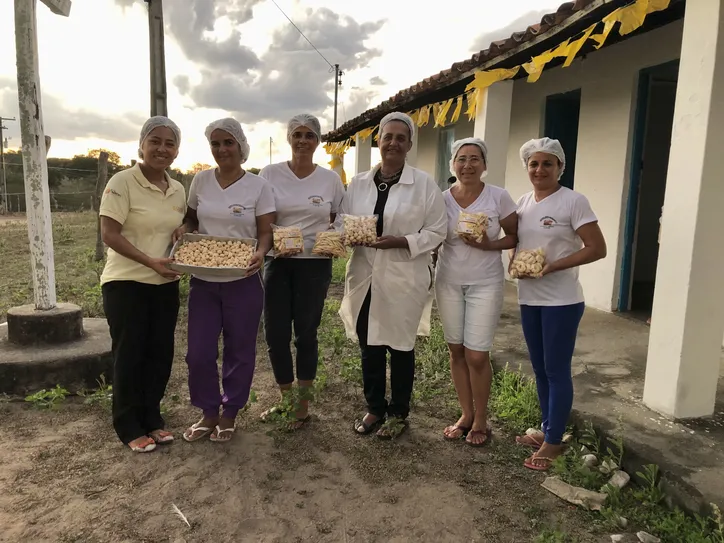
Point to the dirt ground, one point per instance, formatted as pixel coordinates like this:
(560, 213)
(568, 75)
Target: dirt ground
(64, 476)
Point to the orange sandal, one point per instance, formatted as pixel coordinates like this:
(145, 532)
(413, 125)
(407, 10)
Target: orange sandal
(144, 445)
(161, 437)
(530, 463)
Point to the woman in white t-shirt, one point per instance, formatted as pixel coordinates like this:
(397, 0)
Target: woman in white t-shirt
(469, 284)
(230, 202)
(559, 221)
(307, 196)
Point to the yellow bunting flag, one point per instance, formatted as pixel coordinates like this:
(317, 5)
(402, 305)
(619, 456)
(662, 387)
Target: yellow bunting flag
(575, 46)
(458, 110)
(423, 116)
(366, 133)
(484, 79)
(441, 115)
(415, 116)
(537, 64)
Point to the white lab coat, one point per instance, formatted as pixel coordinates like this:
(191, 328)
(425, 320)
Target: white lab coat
(401, 279)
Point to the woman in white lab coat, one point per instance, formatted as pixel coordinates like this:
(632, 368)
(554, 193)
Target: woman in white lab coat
(389, 284)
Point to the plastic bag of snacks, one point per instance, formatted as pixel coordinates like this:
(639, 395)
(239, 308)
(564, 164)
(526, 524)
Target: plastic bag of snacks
(288, 240)
(473, 225)
(211, 253)
(329, 244)
(359, 230)
(528, 264)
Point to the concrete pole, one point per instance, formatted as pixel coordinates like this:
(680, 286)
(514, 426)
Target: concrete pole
(159, 105)
(35, 166)
(682, 366)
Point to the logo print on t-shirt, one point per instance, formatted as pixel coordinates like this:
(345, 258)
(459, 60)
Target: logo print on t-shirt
(316, 200)
(548, 222)
(237, 210)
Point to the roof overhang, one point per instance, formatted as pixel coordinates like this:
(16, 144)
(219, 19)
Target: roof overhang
(571, 19)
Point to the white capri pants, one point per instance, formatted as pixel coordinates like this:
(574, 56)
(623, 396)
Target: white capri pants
(469, 313)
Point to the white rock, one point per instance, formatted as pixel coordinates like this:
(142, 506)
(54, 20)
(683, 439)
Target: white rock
(646, 537)
(616, 538)
(590, 460)
(619, 479)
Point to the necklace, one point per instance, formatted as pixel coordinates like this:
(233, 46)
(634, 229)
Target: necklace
(387, 180)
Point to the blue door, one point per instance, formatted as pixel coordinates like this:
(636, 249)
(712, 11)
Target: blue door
(561, 123)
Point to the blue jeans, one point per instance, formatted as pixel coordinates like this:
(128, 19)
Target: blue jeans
(550, 333)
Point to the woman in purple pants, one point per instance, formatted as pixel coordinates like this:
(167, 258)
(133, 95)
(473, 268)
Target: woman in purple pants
(230, 202)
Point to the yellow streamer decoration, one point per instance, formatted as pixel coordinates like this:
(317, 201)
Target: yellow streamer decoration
(537, 64)
(423, 116)
(415, 116)
(575, 47)
(366, 133)
(458, 110)
(441, 115)
(483, 80)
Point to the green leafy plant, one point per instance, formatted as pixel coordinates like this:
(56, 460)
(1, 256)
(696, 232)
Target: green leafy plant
(48, 399)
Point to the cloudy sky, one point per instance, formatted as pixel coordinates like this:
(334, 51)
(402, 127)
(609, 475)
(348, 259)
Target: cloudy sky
(241, 58)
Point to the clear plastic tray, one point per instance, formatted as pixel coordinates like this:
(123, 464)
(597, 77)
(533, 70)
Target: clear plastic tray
(204, 270)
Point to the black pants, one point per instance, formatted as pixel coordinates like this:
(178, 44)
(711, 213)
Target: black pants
(294, 293)
(142, 321)
(374, 372)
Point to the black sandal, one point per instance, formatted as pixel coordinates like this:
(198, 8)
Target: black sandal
(365, 428)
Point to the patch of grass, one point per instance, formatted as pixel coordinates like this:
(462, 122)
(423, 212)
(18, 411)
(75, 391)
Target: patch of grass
(553, 535)
(642, 503)
(102, 396)
(48, 399)
(339, 267)
(74, 236)
(514, 400)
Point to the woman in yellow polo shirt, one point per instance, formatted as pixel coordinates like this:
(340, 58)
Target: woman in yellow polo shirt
(140, 209)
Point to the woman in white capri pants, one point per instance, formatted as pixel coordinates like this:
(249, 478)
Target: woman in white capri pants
(469, 285)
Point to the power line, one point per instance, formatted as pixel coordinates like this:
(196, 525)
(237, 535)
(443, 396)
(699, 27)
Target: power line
(331, 66)
(57, 168)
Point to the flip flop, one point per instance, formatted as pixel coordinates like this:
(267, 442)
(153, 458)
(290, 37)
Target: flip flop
(299, 423)
(196, 427)
(367, 428)
(219, 431)
(162, 437)
(455, 428)
(149, 446)
(487, 433)
(530, 465)
(535, 445)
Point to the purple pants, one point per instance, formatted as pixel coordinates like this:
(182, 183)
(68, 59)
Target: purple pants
(233, 308)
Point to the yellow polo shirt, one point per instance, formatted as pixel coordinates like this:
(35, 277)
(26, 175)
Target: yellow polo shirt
(148, 218)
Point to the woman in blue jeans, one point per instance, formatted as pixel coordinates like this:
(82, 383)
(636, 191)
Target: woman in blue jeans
(559, 221)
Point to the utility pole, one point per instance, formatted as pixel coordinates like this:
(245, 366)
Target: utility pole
(337, 82)
(4, 208)
(159, 104)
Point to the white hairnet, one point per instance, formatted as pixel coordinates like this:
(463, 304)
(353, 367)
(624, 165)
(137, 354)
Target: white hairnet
(232, 127)
(307, 120)
(543, 145)
(459, 144)
(398, 116)
(153, 123)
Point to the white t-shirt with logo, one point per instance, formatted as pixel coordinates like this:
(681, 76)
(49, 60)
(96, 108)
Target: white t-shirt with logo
(551, 224)
(461, 264)
(306, 203)
(229, 212)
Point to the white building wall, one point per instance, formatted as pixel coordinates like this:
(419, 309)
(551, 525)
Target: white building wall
(428, 143)
(608, 81)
